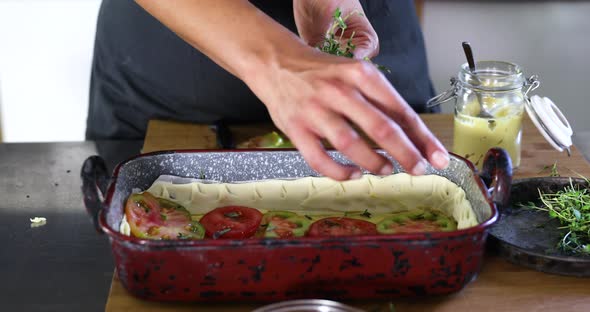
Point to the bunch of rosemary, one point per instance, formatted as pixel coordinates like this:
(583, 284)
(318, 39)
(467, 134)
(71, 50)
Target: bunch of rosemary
(571, 206)
(332, 43)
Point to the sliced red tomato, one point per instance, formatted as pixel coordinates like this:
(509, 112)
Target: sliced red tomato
(283, 224)
(231, 222)
(337, 226)
(157, 218)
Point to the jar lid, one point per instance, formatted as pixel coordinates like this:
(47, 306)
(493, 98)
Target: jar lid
(550, 121)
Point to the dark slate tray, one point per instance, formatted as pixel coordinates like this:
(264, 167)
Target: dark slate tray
(529, 237)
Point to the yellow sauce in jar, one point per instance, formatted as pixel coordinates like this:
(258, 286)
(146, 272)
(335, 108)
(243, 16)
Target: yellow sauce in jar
(474, 136)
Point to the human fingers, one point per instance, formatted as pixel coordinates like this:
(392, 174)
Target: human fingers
(377, 89)
(377, 125)
(422, 137)
(333, 126)
(362, 53)
(312, 150)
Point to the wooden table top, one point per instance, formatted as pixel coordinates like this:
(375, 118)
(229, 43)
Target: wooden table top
(501, 286)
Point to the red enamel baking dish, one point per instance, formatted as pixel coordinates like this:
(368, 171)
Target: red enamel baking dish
(262, 269)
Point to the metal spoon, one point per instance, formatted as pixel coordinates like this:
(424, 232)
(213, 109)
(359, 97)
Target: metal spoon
(483, 113)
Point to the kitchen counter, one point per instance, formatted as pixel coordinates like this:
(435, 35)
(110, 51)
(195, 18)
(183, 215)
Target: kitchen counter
(64, 265)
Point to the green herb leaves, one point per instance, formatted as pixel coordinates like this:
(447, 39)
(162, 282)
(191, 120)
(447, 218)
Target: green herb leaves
(554, 172)
(333, 44)
(571, 206)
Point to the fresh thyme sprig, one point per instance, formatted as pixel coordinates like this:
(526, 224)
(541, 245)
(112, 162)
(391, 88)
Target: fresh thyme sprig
(554, 172)
(332, 43)
(571, 206)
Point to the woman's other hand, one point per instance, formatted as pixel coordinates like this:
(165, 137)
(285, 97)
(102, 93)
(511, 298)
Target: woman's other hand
(314, 17)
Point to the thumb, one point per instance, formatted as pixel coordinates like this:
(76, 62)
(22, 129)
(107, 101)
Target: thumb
(364, 52)
(366, 49)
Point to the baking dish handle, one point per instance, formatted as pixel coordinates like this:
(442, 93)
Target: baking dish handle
(497, 175)
(95, 180)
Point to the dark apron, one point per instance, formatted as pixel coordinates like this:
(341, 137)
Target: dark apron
(142, 71)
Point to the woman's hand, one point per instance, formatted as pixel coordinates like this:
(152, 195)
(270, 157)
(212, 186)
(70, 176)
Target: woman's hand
(314, 17)
(315, 96)
(319, 96)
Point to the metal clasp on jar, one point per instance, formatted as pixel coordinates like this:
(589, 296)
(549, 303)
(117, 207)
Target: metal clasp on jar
(531, 84)
(445, 96)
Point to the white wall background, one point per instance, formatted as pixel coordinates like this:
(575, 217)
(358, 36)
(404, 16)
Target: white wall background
(46, 50)
(45, 54)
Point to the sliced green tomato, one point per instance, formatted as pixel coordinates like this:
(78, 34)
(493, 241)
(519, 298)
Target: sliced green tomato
(416, 222)
(166, 203)
(197, 230)
(283, 224)
(366, 216)
(157, 218)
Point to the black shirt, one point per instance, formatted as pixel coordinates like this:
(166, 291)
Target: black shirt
(141, 70)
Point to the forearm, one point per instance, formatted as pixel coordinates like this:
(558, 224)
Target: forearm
(233, 33)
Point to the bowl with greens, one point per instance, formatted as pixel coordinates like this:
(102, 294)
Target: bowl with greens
(547, 225)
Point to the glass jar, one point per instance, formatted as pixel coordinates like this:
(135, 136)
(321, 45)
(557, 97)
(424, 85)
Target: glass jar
(489, 107)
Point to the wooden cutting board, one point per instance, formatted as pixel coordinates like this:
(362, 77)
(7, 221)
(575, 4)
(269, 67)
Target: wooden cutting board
(501, 286)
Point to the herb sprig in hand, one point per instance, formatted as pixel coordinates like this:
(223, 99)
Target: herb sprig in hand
(334, 38)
